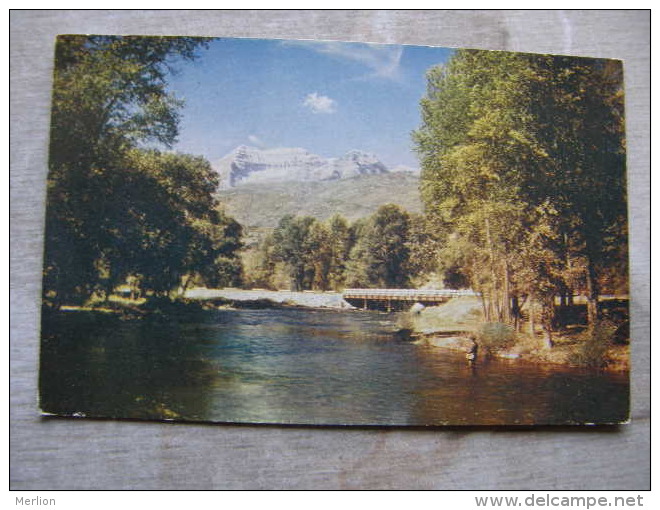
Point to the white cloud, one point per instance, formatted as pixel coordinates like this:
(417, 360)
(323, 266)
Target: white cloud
(256, 141)
(320, 104)
(383, 60)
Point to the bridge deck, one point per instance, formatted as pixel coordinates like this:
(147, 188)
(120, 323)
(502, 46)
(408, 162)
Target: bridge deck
(405, 294)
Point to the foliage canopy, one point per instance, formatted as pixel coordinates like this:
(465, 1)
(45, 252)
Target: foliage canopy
(523, 174)
(117, 210)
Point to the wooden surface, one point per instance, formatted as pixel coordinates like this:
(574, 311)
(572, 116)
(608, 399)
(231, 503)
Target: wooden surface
(84, 454)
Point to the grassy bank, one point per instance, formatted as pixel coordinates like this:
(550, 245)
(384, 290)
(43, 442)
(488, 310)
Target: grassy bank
(454, 325)
(201, 300)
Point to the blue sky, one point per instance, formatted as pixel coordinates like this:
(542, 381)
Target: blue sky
(326, 97)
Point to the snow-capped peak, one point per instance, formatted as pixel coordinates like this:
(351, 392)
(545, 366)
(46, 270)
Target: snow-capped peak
(247, 164)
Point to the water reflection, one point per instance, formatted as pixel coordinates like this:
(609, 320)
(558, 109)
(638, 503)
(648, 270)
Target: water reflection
(308, 367)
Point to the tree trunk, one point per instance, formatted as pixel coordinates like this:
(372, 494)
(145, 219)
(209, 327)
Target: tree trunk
(507, 294)
(494, 298)
(593, 314)
(107, 289)
(547, 313)
(184, 285)
(547, 335)
(515, 313)
(484, 307)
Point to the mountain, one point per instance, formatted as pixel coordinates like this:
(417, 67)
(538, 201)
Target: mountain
(250, 165)
(262, 205)
(260, 186)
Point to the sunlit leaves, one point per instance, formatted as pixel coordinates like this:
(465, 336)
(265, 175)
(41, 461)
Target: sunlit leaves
(523, 170)
(118, 210)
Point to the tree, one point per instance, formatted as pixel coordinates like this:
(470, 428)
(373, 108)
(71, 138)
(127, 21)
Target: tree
(523, 173)
(340, 243)
(423, 245)
(473, 143)
(109, 94)
(579, 114)
(314, 253)
(116, 209)
(381, 254)
(293, 245)
(261, 264)
(320, 255)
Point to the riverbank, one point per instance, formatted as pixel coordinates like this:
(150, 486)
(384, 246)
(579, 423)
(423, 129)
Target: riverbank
(452, 326)
(298, 366)
(200, 300)
(311, 299)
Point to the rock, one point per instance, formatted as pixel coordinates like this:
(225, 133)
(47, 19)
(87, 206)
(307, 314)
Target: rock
(417, 308)
(508, 355)
(404, 334)
(454, 343)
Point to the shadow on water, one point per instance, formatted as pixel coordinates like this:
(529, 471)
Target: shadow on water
(303, 367)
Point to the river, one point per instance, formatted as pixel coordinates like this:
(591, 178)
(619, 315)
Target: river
(301, 367)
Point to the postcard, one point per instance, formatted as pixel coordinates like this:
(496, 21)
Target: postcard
(330, 233)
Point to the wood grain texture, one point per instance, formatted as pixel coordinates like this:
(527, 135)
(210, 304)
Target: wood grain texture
(85, 454)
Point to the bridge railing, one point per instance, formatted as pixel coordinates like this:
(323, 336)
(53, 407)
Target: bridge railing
(406, 293)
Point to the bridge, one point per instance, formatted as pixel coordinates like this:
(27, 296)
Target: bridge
(400, 299)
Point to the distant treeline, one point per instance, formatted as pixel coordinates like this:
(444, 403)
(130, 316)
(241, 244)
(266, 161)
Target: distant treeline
(388, 249)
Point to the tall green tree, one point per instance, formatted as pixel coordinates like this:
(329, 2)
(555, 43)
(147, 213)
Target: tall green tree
(474, 142)
(314, 253)
(380, 256)
(115, 209)
(423, 244)
(294, 246)
(516, 177)
(579, 114)
(261, 264)
(320, 255)
(340, 243)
